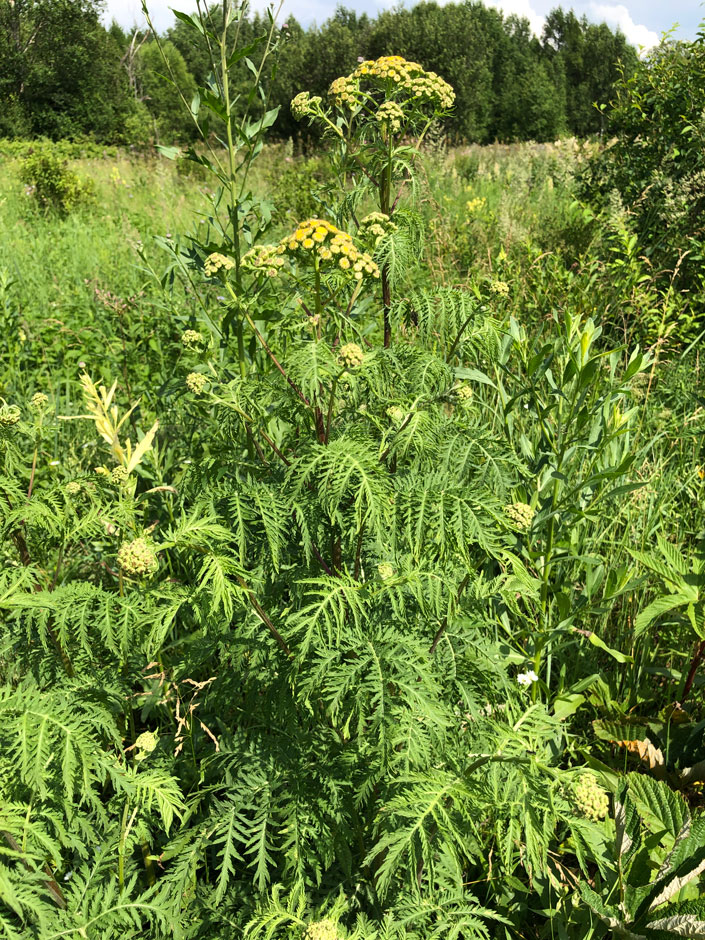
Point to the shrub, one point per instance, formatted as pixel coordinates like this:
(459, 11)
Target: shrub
(52, 183)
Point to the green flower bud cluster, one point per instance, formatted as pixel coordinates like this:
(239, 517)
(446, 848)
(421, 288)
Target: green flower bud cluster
(500, 288)
(375, 227)
(196, 382)
(191, 339)
(73, 488)
(396, 414)
(390, 116)
(520, 514)
(119, 476)
(38, 402)
(350, 356)
(216, 262)
(137, 558)
(385, 571)
(322, 930)
(590, 798)
(463, 394)
(9, 416)
(145, 744)
(304, 105)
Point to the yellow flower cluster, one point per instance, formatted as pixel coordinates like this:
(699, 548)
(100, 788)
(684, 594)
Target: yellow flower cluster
(396, 414)
(267, 258)
(389, 73)
(500, 288)
(350, 356)
(73, 488)
(303, 105)
(591, 799)
(330, 245)
(520, 514)
(474, 205)
(464, 394)
(390, 116)
(196, 382)
(216, 262)
(137, 558)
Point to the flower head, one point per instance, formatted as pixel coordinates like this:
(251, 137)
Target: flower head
(521, 515)
(390, 116)
(590, 798)
(463, 394)
(304, 105)
(192, 338)
(145, 744)
(196, 382)
(119, 476)
(38, 402)
(9, 416)
(137, 558)
(266, 258)
(396, 77)
(527, 678)
(396, 414)
(499, 288)
(350, 356)
(73, 488)
(216, 263)
(375, 227)
(385, 571)
(321, 241)
(322, 930)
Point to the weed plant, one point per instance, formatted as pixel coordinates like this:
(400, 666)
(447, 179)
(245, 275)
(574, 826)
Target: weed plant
(352, 580)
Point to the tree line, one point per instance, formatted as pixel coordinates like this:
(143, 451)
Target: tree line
(63, 74)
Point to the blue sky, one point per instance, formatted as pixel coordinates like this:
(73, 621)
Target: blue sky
(641, 20)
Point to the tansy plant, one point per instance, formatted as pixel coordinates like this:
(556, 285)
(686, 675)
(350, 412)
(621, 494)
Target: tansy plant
(377, 117)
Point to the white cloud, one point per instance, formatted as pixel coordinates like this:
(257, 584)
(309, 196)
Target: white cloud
(616, 14)
(521, 8)
(129, 12)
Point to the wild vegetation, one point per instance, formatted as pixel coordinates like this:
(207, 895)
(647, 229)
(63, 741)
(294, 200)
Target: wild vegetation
(353, 579)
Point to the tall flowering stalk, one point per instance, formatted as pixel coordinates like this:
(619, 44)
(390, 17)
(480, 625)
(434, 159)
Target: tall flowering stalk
(379, 115)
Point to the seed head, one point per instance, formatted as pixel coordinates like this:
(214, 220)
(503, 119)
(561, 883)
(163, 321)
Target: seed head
(137, 558)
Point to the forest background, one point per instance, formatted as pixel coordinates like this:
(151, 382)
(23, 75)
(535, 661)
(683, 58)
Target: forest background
(64, 75)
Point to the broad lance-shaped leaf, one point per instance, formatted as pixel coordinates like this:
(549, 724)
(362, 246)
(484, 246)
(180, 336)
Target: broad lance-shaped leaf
(660, 606)
(135, 458)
